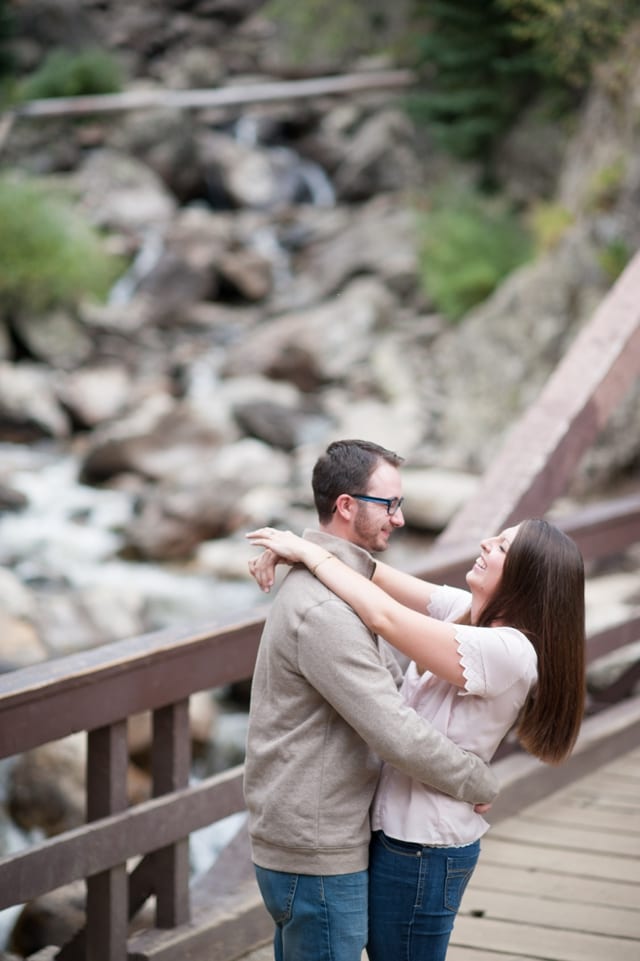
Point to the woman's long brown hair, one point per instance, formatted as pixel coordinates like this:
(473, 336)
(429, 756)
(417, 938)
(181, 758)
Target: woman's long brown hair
(541, 593)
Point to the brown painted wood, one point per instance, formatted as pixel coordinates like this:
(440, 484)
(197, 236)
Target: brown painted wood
(106, 843)
(107, 891)
(171, 762)
(106, 684)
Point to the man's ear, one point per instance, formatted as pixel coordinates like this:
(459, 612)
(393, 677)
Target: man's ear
(344, 506)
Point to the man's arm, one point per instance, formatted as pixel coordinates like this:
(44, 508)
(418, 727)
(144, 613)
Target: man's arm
(340, 659)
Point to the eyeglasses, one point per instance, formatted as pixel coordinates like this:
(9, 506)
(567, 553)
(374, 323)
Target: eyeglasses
(393, 504)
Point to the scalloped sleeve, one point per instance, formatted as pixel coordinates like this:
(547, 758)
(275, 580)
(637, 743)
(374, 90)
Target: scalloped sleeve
(494, 659)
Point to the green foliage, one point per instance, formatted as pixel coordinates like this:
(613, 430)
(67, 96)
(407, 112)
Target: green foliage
(49, 254)
(334, 31)
(604, 186)
(548, 223)
(613, 258)
(469, 244)
(569, 36)
(65, 74)
(476, 75)
(481, 63)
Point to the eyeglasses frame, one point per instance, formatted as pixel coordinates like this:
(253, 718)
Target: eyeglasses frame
(387, 501)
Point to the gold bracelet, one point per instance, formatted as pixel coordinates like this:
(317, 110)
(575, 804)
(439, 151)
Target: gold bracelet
(327, 557)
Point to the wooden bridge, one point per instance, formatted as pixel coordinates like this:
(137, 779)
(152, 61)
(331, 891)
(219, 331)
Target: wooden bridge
(511, 911)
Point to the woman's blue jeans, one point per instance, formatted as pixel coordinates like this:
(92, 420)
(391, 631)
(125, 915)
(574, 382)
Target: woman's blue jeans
(414, 895)
(317, 918)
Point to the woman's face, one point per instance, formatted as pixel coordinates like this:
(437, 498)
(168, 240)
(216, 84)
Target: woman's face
(484, 576)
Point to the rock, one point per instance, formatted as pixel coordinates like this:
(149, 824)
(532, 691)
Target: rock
(16, 600)
(11, 499)
(160, 440)
(164, 140)
(433, 496)
(120, 193)
(20, 644)
(53, 919)
(380, 157)
(57, 338)
(393, 425)
(64, 623)
(528, 159)
(174, 518)
(226, 557)
(319, 345)
(246, 273)
(49, 920)
(550, 298)
(171, 522)
(95, 394)
(29, 408)
(330, 247)
(276, 424)
(46, 786)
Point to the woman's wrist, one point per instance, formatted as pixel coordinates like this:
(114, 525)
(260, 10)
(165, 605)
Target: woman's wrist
(315, 561)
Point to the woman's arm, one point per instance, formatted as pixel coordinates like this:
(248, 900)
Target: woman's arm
(409, 590)
(431, 643)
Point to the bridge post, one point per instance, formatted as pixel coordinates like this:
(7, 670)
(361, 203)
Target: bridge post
(171, 760)
(107, 892)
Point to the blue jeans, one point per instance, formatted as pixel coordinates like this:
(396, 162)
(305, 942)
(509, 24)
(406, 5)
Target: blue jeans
(414, 896)
(317, 917)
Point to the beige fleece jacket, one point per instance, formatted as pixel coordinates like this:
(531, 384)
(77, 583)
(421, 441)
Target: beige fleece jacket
(325, 708)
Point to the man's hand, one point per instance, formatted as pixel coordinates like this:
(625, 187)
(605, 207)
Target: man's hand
(263, 569)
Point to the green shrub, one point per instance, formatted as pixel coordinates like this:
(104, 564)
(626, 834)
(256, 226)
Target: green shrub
(569, 37)
(480, 64)
(49, 254)
(548, 223)
(613, 258)
(65, 74)
(329, 32)
(469, 244)
(605, 184)
(475, 76)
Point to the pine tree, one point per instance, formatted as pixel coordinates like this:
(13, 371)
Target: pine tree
(475, 73)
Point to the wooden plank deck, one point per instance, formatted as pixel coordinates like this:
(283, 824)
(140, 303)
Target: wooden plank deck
(560, 881)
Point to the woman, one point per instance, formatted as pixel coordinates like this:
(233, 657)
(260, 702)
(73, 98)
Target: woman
(508, 651)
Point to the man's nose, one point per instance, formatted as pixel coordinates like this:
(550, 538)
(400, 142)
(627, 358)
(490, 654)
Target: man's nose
(397, 519)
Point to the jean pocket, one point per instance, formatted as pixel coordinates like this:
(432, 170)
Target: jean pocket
(278, 890)
(459, 871)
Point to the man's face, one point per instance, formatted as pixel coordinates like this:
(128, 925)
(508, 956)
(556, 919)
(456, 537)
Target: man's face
(372, 525)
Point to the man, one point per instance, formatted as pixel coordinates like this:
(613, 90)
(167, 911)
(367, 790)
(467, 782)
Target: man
(325, 708)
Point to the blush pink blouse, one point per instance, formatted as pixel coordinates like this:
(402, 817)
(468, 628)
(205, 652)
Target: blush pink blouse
(500, 668)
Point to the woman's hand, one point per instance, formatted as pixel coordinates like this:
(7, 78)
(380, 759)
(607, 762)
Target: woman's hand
(285, 544)
(280, 547)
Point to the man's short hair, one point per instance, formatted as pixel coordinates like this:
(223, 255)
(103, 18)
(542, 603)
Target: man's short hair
(345, 468)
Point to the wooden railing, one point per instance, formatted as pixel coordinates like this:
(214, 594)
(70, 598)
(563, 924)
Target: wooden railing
(98, 690)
